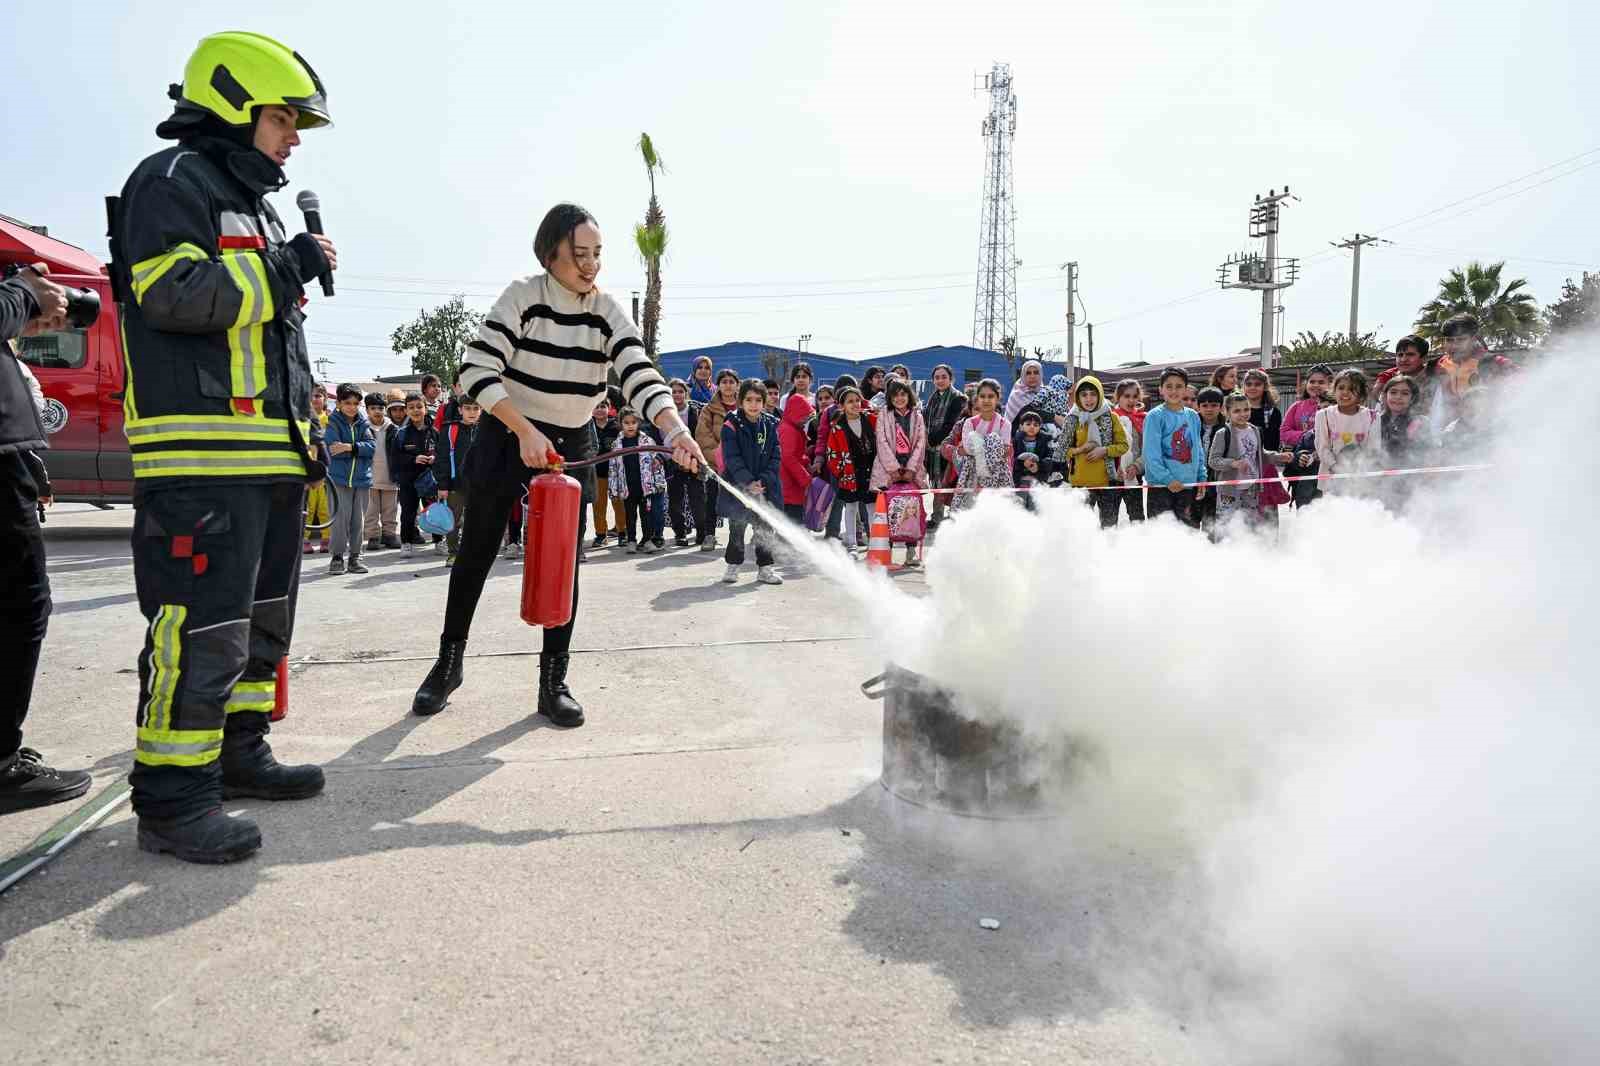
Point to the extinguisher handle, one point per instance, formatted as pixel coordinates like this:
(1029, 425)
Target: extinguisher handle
(552, 457)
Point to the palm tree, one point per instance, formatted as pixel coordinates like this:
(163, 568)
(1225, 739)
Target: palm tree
(1506, 314)
(651, 238)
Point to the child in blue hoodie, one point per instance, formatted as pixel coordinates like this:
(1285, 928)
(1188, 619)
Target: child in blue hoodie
(1173, 456)
(350, 443)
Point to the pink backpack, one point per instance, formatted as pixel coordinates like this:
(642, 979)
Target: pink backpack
(908, 523)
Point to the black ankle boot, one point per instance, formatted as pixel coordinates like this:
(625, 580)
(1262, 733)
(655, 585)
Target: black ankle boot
(443, 679)
(249, 770)
(211, 838)
(555, 698)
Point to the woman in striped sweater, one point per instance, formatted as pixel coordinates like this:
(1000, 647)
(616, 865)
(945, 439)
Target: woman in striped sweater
(538, 366)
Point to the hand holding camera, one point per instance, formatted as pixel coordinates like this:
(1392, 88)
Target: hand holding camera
(58, 307)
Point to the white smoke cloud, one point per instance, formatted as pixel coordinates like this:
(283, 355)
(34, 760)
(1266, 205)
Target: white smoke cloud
(1374, 743)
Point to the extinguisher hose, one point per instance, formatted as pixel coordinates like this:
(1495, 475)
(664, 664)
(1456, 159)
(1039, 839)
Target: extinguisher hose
(578, 464)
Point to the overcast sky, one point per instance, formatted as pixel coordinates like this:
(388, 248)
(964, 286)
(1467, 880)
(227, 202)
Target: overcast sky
(825, 158)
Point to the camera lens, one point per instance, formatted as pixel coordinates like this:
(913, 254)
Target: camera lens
(83, 307)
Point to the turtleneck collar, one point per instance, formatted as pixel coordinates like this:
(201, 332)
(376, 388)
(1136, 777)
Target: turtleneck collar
(253, 168)
(564, 299)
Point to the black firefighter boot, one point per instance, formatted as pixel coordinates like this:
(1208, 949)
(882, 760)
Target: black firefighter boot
(443, 679)
(249, 770)
(555, 698)
(210, 837)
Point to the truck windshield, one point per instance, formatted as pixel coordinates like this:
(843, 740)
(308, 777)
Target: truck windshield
(65, 350)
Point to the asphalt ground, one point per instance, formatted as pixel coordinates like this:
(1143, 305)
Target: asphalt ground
(708, 871)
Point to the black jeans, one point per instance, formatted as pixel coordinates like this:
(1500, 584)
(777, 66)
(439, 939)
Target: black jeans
(409, 505)
(497, 479)
(217, 570)
(646, 508)
(1108, 504)
(1180, 503)
(686, 505)
(1133, 500)
(24, 595)
(706, 524)
(736, 528)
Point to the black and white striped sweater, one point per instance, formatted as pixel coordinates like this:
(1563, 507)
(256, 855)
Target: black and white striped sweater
(547, 350)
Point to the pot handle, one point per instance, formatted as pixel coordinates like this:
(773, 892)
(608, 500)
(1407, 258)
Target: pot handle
(868, 691)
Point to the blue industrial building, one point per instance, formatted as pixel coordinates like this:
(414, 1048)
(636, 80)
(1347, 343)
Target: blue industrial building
(748, 359)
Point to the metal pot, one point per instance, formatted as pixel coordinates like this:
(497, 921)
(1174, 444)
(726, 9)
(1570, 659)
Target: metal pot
(936, 754)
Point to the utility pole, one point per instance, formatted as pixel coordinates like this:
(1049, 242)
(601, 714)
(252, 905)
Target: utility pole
(1090, 327)
(322, 367)
(1072, 319)
(994, 315)
(805, 339)
(1265, 273)
(636, 307)
(1354, 244)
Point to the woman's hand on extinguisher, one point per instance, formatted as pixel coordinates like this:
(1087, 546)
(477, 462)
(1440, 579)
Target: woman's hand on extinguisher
(687, 454)
(534, 446)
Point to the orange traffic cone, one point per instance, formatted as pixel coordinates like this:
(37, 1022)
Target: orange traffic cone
(879, 555)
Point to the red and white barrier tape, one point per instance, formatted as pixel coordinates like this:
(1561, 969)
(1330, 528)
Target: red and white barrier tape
(1406, 472)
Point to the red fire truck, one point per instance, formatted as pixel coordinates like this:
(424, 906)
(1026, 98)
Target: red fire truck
(81, 372)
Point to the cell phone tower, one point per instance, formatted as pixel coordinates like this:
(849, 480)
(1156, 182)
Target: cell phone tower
(994, 316)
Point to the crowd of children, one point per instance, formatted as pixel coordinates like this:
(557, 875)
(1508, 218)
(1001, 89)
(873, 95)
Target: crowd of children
(825, 456)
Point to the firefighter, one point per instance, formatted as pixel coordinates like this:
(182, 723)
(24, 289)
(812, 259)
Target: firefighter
(217, 409)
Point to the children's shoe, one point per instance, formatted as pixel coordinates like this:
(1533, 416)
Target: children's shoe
(438, 547)
(766, 575)
(322, 547)
(660, 543)
(508, 550)
(709, 544)
(730, 575)
(633, 547)
(648, 547)
(391, 541)
(373, 543)
(516, 552)
(599, 541)
(309, 549)
(336, 565)
(406, 550)
(356, 566)
(680, 542)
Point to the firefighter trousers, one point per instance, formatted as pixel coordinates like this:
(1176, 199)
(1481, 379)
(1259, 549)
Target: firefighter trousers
(217, 569)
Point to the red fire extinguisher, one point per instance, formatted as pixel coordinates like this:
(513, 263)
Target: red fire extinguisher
(280, 692)
(550, 546)
(550, 537)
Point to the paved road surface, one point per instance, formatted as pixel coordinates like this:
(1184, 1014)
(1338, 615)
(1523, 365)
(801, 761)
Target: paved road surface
(708, 872)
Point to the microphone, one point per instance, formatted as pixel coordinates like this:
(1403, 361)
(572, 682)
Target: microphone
(308, 203)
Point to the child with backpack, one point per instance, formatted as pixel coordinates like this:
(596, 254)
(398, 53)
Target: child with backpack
(900, 467)
(1298, 435)
(1208, 404)
(851, 455)
(638, 480)
(1235, 454)
(412, 451)
(455, 445)
(1268, 420)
